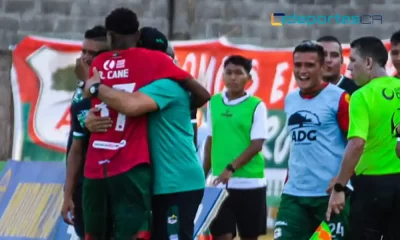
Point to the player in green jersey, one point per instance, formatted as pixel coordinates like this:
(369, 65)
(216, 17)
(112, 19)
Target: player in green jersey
(237, 124)
(370, 152)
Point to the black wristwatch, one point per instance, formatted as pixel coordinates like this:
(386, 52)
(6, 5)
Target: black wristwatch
(229, 167)
(339, 187)
(94, 89)
(81, 84)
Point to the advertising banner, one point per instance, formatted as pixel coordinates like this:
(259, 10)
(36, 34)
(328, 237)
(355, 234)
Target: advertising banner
(31, 197)
(43, 84)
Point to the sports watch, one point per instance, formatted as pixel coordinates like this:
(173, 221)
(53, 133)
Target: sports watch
(339, 187)
(229, 167)
(94, 89)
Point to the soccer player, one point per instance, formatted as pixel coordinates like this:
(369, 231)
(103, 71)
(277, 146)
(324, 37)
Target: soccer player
(94, 43)
(237, 125)
(333, 62)
(317, 121)
(370, 152)
(117, 167)
(395, 52)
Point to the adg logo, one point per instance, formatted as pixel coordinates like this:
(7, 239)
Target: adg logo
(321, 19)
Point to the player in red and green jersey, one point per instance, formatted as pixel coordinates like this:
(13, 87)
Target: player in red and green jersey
(117, 164)
(370, 152)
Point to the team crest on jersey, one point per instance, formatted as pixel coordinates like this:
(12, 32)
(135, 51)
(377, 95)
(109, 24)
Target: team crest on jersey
(82, 117)
(302, 126)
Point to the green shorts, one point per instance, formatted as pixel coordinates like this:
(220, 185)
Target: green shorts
(126, 197)
(299, 217)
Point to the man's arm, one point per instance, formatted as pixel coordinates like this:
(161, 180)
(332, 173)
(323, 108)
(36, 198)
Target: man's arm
(343, 113)
(75, 160)
(358, 133)
(259, 132)
(168, 69)
(200, 95)
(207, 146)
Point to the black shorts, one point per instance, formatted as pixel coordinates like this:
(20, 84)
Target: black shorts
(174, 214)
(244, 210)
(375, 208)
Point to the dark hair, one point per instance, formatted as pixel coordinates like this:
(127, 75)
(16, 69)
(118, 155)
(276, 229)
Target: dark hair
(371, 47)
(151, 38)
(97, 33)
(122, 21)
(310, 46)
(329, 38)
(239, 61)
(395, 38)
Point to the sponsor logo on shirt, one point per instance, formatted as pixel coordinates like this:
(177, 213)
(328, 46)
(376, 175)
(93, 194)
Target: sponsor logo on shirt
(114, 69)
(302, 125)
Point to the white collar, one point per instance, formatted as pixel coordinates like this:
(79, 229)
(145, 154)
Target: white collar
(234, 101)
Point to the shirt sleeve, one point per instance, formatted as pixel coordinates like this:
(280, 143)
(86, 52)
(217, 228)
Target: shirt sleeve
(343, 112)
(161, 91)
(209, 124)
(259, 129)
(166, 68)
(77, 129)
(359, 117)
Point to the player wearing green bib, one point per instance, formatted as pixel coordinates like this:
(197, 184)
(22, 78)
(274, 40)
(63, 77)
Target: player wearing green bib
(237, 125)
(375, 202)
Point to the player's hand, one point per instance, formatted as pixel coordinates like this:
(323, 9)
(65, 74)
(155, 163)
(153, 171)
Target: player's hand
(67, 211)
(223, 178)
(331, 184)
(94, 79)
(336, 204)
(81, 69)
(95, 123)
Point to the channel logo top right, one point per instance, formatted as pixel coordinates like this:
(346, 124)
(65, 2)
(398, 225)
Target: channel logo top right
(279, 19)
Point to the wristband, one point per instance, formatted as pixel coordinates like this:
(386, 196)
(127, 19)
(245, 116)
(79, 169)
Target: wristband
(94, 89)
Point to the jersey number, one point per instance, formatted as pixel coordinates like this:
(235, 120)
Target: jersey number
(121, 119)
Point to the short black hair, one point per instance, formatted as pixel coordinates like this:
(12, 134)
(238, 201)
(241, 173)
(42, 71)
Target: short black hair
(310, 46)
(97, 33)
(395, 38)
(371, 47)
(122, 21)
(330, 38)
(239, 61)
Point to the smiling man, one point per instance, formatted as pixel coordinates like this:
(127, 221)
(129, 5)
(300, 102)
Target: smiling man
(318, 120)
(370, 152)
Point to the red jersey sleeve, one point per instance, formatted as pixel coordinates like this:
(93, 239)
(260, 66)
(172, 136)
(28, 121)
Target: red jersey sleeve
(166, 68)
(343, 112)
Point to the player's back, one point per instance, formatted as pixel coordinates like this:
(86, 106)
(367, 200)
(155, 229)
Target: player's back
(380, 101)
(126, 141)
